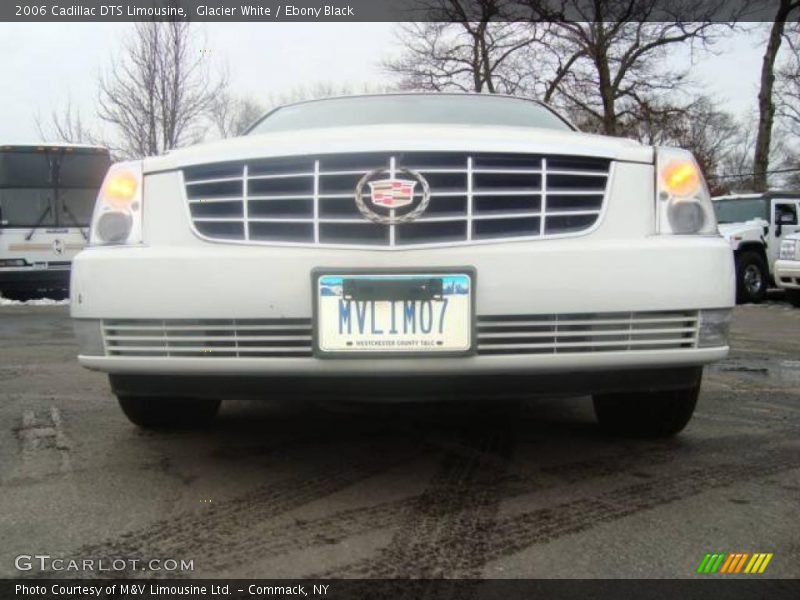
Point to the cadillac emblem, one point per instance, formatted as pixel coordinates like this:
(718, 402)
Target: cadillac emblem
(392, 200)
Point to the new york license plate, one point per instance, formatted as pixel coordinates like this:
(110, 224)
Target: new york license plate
(394, 314)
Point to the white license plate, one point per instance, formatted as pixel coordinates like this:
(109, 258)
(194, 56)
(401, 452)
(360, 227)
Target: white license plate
(394, 314)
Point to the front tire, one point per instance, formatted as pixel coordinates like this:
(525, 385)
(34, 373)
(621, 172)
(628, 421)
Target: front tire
(156, 413)
(793, 296)
(646, 414)
(752, 277)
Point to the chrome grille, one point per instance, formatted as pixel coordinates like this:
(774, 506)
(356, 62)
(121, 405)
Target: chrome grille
(507, 334)
(309, 200)
(215, 338)
(594, 332)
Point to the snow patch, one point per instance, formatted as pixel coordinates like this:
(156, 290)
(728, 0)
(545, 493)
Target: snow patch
(34, 302)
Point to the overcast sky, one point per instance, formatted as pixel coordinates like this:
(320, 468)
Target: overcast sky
(46, 64)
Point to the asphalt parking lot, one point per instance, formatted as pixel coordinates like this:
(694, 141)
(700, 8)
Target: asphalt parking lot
(292, 489)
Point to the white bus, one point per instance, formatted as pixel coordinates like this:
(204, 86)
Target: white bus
(47, 194)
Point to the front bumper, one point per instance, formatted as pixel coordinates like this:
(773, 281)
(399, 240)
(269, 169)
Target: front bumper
(34, 279)
(373, 368)
(787, 274)
(557, 277)
(403, 388)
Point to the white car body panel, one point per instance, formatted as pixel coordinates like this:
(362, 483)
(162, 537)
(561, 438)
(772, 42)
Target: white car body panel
(402, 138)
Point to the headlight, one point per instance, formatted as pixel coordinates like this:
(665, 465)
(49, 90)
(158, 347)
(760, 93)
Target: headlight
(682, 197)
(117, 217)
(788, 250)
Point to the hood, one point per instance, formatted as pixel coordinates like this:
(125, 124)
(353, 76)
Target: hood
(753, 226)
(405, 138)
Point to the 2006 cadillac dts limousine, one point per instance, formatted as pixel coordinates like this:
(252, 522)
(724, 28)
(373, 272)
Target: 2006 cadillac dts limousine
(409, 245)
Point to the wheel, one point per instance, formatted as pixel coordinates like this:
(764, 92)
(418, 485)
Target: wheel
(155, 413)
(646, 414)
(793, 296)
(752, 276)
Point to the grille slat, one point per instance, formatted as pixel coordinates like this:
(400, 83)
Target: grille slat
(525, 196)
(567, 334)
(212, 337)
(601, 332)
(505, 334)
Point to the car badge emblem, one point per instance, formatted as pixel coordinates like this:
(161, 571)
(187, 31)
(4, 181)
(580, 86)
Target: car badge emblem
(391, 193)
(58, 247)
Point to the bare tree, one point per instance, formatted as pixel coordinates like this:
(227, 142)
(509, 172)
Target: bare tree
(66, 126)
(766, 104)
(787, 91)
(599, 60)
(612, 58)
(158, 92)
(712, 135)
(231, 116)
(736, 168)
(467, 48)
(788, 104)
(324, 89)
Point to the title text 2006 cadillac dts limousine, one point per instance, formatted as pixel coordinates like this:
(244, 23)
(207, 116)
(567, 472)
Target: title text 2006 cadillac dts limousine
(407, 245)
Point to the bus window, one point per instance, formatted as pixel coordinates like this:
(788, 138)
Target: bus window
(76, 207)
(23, 207)
(49, 187)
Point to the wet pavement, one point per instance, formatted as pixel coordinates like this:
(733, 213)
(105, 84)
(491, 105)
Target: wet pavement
(286, 488)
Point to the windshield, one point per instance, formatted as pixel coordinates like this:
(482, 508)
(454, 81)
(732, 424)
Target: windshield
(49, 188)
(739, 210)
(444, 109)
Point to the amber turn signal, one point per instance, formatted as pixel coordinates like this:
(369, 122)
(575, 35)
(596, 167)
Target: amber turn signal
(681, 178)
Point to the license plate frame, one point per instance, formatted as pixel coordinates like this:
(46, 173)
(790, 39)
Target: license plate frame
(320, 272)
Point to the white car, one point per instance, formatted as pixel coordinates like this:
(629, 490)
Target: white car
(407, 245)
(787, 268)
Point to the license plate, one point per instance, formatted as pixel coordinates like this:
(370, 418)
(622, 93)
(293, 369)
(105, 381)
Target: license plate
(393, 314)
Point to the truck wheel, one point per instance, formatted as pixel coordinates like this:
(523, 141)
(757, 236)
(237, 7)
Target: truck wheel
(752, 276)
(793, 296)
(155, 413)
(646, 414)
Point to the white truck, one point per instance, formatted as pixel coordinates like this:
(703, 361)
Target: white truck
(754, 225)
(787, 268)
(47, 194)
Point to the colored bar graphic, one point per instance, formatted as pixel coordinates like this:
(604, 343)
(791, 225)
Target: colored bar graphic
(765, 563)
(734, 562)
(737, 558)
(711, 562)
(741, 562)
(754, 563)
(717, 563)
(727, 564)
(703, 563)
